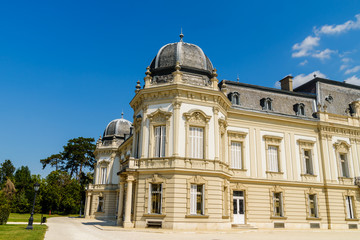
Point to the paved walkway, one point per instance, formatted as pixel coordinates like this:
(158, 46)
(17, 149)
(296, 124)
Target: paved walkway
(83, 229)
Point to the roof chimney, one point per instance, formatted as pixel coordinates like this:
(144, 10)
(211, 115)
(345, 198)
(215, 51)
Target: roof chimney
(287, 83)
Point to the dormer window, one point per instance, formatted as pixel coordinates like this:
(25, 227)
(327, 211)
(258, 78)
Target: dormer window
(299, 109)
(234, 97)
(266, 104)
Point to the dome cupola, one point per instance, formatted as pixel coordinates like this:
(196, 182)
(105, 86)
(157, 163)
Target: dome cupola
(195, 65)
(120, 128)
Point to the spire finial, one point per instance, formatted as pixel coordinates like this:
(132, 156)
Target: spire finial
(237, 79)
(181, 36)
(122, 114)
(138, 86)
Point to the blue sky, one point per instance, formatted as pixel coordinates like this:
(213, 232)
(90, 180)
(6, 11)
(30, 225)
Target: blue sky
(67, 68)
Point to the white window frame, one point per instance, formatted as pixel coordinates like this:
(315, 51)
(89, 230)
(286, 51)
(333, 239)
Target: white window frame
(196, 135)
(281, 204)
(273, 154)
(344, 165)
(160, 140)
(194, 193)
(315, 203)
(349, 202)
(273, 158)
(308, 162)
(236, 155)
(151, 192)
(103, 175)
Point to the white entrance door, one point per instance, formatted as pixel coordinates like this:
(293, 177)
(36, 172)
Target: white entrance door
(238, 207)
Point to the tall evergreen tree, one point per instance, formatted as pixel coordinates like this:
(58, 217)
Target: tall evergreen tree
(7, 170)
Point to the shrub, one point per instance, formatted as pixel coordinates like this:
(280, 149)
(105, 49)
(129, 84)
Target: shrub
(4, 209)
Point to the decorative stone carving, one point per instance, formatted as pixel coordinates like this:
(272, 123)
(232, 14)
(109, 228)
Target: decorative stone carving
(197, 117)
(159, 116)
(342, 146)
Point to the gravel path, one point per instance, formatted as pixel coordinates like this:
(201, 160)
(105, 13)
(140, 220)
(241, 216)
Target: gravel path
(64, 228)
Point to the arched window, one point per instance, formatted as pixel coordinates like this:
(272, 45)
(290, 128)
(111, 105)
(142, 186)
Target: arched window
(266, 104)
(299, 109)
(234, 98)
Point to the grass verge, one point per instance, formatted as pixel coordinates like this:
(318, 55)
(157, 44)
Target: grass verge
(18, 232)
(24, 217)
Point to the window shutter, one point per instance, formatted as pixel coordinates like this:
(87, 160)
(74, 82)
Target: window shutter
(193, 199)
(203, 199)
(157, 141)
(150, 198)
(163, 139)
(201, 143)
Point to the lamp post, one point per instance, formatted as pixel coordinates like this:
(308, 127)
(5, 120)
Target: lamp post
(31, 219)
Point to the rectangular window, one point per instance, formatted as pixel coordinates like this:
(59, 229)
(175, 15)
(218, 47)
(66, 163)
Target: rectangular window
(197, 199)
(273, 156)
(236, 155)
(308, 166)
(344, 165)
(160, 138)
(155, 198)
(278, 204)
(103, 172)
(313, 212)
(101, 204)
(196, 142)
(350, 207)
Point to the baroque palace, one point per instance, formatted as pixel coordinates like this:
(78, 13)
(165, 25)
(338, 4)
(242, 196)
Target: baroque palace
(200, 154)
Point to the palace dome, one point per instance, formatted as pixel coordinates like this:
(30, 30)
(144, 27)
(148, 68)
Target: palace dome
(190, 57)
(118, 127)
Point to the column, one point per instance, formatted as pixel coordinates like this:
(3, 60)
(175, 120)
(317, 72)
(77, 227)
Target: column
(176, 106)
(142, 132)
(127, 222)
(216, 135)
(87, 205)
(121, 202)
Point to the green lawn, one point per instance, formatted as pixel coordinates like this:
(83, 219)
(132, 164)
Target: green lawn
(18, 232)
(24, 217)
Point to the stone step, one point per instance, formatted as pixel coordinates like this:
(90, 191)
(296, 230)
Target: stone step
(243, 226)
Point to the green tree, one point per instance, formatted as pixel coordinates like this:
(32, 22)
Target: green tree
(76, 156)
(55, 160)
(7, 170)
(23, 178)
(61, 194)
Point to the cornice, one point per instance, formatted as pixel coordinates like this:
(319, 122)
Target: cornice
(180, 91)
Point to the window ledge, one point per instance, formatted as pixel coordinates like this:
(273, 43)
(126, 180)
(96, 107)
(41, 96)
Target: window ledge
(308, 175)
(352, 219)
(276, 217)
(196, 216)
(346, 178)
(313, 218)
(225, 217)
(270, 172)
(238, 169)
(154, 215)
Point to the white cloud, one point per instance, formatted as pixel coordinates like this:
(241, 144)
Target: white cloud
(303, 63)
(302, 78)
(340, 28)
(353, 70)
(342, 67)
(353, 80)
(324, 54)
(302, 49)
(346, 60)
